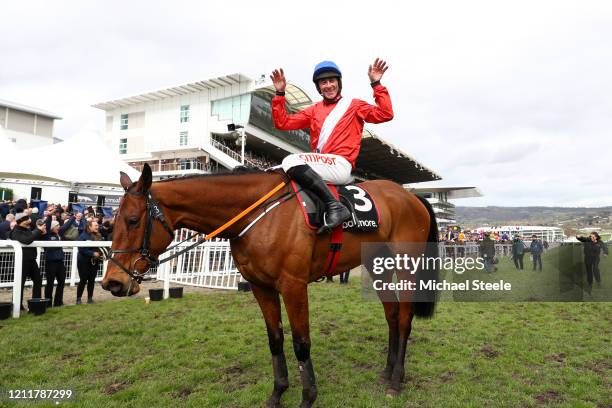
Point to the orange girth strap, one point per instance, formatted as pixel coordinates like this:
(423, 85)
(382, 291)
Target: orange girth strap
(245, 212)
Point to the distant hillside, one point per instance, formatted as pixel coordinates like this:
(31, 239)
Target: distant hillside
(566, 217)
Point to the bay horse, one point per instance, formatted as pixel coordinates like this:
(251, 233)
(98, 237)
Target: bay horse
(279, 255)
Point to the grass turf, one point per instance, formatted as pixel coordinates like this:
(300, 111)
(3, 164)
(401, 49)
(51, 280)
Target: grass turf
(211, 351)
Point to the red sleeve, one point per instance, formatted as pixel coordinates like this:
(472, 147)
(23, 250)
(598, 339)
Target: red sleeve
(382, 111)
(283, 121)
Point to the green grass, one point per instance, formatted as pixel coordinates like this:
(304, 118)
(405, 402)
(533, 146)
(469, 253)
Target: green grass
(211, 351)
(563, 278)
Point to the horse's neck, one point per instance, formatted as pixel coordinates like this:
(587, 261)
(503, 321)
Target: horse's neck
(205, 203)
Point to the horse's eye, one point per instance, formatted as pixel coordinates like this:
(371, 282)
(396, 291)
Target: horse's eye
(132, 221)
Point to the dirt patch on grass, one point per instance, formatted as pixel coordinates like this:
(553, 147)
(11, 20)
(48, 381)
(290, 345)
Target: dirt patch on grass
(447, 376)
(328, 328)
(234, 377)
(182, 394)
(547, 397)
(599, 366)
(366, 366)
(489, 352)
(559, 358)
(70, 356)
(115, 387)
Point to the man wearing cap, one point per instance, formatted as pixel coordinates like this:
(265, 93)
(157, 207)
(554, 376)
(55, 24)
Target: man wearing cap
(336, 124)
(24, 235)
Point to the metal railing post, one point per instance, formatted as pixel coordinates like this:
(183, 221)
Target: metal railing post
(17, 276)
(73, 266)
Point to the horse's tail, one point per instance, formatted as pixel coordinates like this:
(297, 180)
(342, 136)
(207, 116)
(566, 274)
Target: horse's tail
(425, 307)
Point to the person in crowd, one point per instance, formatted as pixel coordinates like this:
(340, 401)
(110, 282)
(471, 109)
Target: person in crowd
(518, 251)
(536, 248)
(88, 261)
(487, 252)
(20, 206)
(23, 234)
(72, 232)
(593, 247)
(5, 209)
(6, 226)
(54, 260)
(336, 125)
(34, 215)
(461, 243)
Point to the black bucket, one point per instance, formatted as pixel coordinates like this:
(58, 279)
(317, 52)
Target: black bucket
(244, 286)
(176, 292)
(6, 309)
(156, 294)
(37, 306)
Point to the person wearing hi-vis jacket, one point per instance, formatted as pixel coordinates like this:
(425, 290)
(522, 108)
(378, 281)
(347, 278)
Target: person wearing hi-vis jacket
(336, 124)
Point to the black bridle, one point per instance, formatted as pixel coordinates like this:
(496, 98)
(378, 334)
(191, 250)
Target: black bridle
(153, 212)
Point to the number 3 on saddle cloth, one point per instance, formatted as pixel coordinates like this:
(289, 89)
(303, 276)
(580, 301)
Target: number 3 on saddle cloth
(365, 216)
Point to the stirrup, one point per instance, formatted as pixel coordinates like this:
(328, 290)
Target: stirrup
(326, 228)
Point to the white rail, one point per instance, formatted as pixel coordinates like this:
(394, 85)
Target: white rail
(208, 265)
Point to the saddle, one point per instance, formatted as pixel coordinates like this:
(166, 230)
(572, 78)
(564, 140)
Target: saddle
(365, 216)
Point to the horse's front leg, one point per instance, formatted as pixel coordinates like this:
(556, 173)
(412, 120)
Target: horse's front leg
(295, 297)
(269, 302)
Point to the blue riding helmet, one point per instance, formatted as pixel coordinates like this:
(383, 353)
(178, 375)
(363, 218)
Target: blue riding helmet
(327, 69)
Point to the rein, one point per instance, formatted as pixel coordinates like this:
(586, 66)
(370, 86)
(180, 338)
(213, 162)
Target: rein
(154, 212)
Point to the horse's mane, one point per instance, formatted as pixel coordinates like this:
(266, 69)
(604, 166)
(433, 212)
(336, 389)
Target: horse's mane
(239, 171)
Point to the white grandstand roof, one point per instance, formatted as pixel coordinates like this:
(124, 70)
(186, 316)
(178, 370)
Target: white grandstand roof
(453, 192)
(185, 89)
(29, 109)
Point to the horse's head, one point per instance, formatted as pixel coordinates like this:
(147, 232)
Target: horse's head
(140, 235)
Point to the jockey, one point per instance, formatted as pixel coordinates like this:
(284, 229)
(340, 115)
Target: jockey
(336, 125)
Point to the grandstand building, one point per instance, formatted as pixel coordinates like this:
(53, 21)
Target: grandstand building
(199, 128)
(439, 198)
(25, 126)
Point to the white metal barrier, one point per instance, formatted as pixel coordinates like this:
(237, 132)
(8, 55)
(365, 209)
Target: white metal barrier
(208, 265)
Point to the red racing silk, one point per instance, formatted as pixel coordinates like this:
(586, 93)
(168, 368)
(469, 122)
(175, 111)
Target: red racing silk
(345, 139)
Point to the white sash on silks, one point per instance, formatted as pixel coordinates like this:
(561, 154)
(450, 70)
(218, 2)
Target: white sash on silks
(332, 120)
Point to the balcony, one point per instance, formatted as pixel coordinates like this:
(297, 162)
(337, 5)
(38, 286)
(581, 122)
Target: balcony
(176, 167)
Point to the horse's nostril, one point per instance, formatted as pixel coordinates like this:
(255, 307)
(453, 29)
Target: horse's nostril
(114, 287)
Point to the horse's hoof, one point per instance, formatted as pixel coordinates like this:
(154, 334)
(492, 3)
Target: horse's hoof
(273, 405)
(392, 393)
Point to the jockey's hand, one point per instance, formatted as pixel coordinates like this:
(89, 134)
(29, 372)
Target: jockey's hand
(377, 70)
(278, 79)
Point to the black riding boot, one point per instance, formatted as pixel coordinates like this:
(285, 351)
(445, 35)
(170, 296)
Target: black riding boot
(335, 211)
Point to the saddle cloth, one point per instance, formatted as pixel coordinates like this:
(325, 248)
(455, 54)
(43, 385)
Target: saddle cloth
(364, 211)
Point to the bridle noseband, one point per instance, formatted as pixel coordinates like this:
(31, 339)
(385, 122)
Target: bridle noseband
(153, 212)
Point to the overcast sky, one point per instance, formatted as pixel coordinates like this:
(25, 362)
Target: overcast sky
(513, 97)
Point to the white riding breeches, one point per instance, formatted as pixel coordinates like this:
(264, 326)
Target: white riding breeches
(332, 168)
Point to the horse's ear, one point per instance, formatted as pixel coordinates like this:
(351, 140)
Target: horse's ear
(146, 178)
(125, 181)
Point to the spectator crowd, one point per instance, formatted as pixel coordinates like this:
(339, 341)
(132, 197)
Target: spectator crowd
(24, 223)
